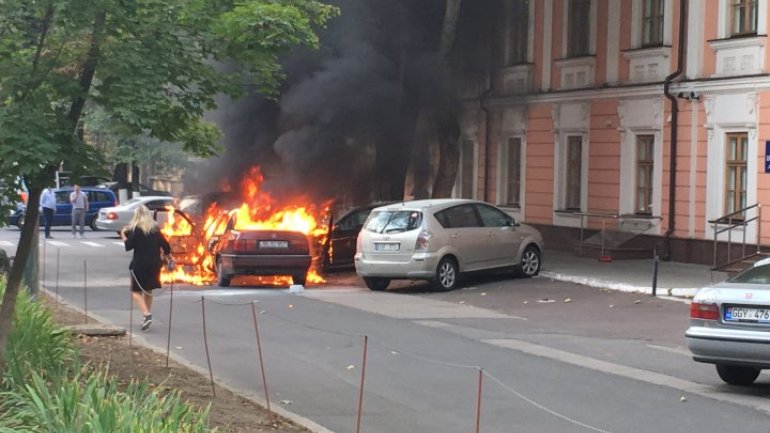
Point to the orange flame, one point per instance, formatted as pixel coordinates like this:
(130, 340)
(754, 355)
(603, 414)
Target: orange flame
(258, 211)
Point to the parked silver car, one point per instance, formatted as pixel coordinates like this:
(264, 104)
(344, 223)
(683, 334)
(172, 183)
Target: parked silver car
(115, 218)
(436, 240)
(730, 325)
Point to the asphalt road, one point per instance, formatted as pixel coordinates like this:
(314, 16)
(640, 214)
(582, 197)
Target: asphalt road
(550, 356)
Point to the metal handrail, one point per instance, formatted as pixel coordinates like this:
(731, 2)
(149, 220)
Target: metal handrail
(732, 222)
(594, 214)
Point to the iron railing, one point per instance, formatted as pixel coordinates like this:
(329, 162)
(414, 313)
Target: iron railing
(620, 220)
(731, 222)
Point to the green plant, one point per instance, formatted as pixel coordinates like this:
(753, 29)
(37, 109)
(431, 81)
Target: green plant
(36, 343)
(92, 403)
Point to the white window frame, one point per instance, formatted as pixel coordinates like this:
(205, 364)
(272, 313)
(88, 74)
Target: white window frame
(724, 22)
(716, 175)
(592, 17)
(530, 34)
(502, 169)
(637, 15)
(560, 181)
(458, 189)
(628, 158)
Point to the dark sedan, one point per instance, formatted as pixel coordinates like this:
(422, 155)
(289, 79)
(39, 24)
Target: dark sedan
(261, 252)
(340, 246)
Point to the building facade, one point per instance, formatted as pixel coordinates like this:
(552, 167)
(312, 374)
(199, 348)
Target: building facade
(577, 131)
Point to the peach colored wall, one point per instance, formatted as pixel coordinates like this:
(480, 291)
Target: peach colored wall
(700, 176)
(601, 41)
(604, 157)
(763, 179)
(710, 32)
(556, 48)
(537, 55)
(540, 170)
(625, 39)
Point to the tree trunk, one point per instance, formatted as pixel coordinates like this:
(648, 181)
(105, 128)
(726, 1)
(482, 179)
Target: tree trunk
(449, 159)
(448, 128)
(13, 284)
(33, 202)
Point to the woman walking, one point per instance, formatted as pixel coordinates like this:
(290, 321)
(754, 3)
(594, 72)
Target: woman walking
(143, 236)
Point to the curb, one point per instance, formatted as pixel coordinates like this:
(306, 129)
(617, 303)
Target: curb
(681, 292)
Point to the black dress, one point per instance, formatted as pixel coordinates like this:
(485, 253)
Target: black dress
(146, 263)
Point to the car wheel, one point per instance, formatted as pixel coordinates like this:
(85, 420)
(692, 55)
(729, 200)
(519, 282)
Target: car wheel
(735, 375)
(530, 262)
(300, 279)
(20, 221)
(377, 284)
(223, 280)
(93, 225)
(447, 274)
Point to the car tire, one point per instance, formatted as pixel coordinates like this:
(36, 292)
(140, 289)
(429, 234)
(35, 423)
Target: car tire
(737, 375)
(377, 284)
(529, 264)
(20, 222)
(299, 279)
(447, 275)
(223, 280)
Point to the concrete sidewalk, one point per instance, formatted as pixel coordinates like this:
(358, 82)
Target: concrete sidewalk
(674, 278)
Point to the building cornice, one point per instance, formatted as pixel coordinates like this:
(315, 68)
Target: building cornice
(750, 83)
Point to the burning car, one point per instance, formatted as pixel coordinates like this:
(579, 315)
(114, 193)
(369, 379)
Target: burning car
(279, 243)
(245, 251)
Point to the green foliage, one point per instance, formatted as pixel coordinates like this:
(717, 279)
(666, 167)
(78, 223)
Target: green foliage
(92, 403)
(153, 66)
(36, 343)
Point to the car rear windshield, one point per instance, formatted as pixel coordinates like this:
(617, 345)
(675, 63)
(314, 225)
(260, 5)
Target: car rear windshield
(754, 275)
(390, 221)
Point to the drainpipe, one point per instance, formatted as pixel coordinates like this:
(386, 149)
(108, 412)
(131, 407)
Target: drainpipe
(674, 125)
(487, 141)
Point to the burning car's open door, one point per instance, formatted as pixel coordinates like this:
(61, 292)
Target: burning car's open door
(181, 233)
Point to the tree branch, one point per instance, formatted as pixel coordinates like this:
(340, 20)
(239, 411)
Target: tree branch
(88, 71)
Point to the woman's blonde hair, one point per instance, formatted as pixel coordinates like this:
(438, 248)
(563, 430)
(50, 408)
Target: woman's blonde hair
(142, 220)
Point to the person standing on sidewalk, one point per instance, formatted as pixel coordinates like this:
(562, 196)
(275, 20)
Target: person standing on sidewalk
(143, 236)
(79, 201)
(48, 205)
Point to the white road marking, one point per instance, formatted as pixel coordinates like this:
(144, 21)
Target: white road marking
(92, 244)
(7, 244)
(58, 244)
(677, 350)
(708, 391)
(119, 243)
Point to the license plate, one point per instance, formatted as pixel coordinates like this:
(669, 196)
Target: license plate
(390, 246)
(274, 244)
(747, 314)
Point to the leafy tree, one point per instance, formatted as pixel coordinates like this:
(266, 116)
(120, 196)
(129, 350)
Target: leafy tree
(151, 65)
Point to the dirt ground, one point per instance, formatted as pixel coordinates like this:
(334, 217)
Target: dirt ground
(229, 412)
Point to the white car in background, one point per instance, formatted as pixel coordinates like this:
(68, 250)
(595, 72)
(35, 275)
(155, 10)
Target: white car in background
(115, 218)
(436, 240)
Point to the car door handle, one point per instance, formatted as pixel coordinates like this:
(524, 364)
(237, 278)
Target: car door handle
(490, 234)
(455, 236)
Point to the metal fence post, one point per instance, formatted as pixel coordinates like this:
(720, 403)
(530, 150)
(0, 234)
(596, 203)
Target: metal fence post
(655, 260)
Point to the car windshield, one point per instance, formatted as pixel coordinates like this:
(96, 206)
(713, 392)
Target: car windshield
(758, 274)
(388, 221)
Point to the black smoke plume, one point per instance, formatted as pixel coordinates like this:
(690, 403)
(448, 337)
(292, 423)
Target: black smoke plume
(345, 123)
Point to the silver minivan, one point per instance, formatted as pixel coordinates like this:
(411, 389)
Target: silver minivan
(436, 240)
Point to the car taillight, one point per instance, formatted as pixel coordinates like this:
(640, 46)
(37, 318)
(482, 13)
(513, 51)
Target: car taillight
(704, 311)
(112, 216)
(423, 241)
